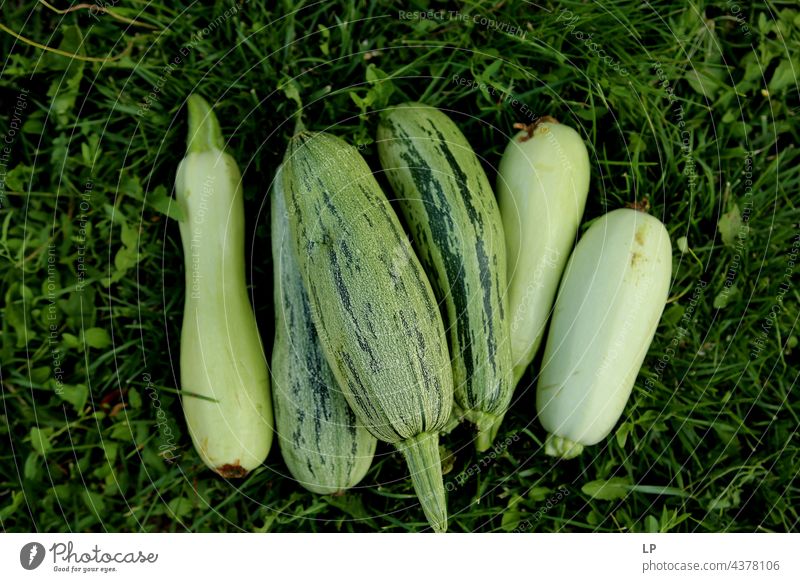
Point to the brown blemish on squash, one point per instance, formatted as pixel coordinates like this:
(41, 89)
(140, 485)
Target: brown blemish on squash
(639, 236)
(635, 258)
(530, 128)
(232, 471)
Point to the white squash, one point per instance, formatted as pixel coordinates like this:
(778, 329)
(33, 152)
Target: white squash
(608, 307)
(542, 183)
(224, 378)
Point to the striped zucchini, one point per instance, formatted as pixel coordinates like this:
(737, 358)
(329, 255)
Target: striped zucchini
(449, 207)
(325, 448)
(372, 305)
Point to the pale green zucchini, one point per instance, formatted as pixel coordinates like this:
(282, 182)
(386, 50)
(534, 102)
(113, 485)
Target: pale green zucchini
(542, 184)
(608, 307)
(450, 209)
(224, 377)
(325, 448)
(372, 305)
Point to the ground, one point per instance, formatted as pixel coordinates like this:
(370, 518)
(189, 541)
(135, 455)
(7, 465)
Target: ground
(690, 109)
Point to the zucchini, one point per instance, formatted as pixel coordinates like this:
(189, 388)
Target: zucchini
(372, 305)
(450, 209)
(224, 378)
(608, 307)
(542, 184)
(325, 448)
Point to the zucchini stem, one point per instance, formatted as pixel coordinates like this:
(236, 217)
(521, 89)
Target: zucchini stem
(530, 128)
(487, 425)
(422, 455)
(299, 126)
(204, 132)
(556, 446)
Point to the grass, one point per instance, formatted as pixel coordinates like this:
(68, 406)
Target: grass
(91, 265)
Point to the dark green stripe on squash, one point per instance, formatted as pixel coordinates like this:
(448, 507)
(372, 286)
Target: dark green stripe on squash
(450, 208)
(372, 304)
(324, 446)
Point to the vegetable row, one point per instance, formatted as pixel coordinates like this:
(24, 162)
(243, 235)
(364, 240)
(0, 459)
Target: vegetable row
(395, 317)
